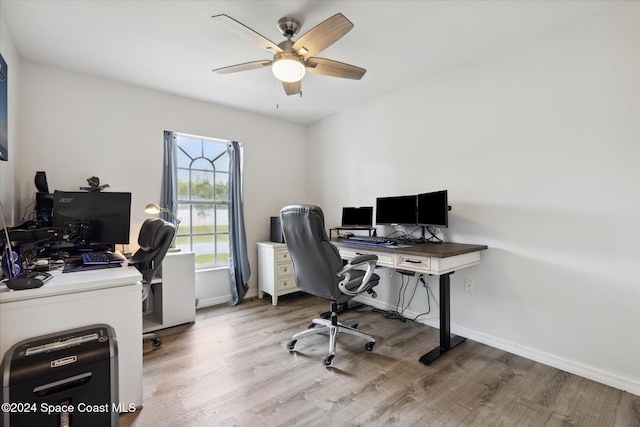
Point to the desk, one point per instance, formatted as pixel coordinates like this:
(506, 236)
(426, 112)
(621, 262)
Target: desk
(430, 258)
(174, 293)
(71, 300)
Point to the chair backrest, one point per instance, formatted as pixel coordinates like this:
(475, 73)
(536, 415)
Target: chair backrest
(315, 260)
(154, 240)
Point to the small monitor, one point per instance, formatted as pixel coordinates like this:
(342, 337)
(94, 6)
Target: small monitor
(433, 210)
(357, 216)
(399, 210)
(108, 215)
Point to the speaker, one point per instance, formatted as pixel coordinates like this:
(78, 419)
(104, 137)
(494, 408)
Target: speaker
(10, 264)
(276, 230)
(41, 182)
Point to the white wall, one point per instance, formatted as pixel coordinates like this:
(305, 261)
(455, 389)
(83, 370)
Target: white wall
(7, 169)
(74, 126)
(538, 146)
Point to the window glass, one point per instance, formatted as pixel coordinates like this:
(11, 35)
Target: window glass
(203, 199)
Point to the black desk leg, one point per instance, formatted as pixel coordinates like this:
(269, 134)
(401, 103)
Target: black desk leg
(447, 342)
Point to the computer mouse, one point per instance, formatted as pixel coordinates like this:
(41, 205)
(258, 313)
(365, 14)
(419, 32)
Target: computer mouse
(19, 283)
(41, 262)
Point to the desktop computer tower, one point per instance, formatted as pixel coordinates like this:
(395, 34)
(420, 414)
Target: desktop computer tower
(276, 230)
(62, 379)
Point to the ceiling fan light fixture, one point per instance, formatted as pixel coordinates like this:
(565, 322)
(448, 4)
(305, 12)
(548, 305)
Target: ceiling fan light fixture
(288, 68)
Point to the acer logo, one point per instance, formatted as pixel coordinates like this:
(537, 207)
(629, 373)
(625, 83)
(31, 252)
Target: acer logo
(65, 199)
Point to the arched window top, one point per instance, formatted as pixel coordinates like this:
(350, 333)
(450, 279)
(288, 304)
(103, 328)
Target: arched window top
(202, 164)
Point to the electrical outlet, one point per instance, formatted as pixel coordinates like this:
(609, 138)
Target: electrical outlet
(469, 284)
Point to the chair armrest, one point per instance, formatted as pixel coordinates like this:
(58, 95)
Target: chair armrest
(358, 261)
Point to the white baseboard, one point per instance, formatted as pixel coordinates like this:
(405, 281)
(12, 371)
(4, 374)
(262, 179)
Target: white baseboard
(208, 302)
(567, 365)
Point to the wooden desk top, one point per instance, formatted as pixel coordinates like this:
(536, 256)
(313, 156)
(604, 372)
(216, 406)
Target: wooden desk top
(435, 250)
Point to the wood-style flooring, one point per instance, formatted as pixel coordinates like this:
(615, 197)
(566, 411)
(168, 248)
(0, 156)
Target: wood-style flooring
(232, 368)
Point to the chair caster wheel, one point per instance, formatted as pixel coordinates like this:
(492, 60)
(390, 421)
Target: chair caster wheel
(156, 342)
(369, 346)
(291, 344)
(327, 360)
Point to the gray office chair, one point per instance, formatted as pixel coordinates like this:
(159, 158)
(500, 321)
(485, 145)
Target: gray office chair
(154, 240)
(319, 271)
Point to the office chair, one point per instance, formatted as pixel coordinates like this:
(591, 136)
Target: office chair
(154, 240)
(319, 271)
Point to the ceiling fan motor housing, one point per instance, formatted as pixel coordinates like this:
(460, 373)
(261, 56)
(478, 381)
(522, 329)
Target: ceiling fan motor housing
(288, 26)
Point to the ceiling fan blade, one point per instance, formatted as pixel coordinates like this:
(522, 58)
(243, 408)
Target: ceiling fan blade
(322, 35)
(243, 67)
(292, 88)
(328, 67)
(248, 34)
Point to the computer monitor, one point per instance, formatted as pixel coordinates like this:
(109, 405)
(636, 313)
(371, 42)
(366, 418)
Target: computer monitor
(357, 216)
(398, 210)
(97, 217)
(433, 210)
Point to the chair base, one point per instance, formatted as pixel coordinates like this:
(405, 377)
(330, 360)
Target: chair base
(333, 328)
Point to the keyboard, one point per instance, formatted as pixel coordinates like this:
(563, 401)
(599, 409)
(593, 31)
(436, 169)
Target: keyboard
(368, 240)
(100, 258)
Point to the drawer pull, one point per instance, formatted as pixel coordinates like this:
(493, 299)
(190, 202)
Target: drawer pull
(413, 262)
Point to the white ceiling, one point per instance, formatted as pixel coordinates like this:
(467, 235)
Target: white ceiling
(172, 46)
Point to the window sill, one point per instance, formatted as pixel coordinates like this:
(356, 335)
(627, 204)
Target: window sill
(208, 269)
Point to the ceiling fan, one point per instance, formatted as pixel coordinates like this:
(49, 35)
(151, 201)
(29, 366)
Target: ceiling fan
(292, 58)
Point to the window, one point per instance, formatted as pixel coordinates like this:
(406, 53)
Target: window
(202, 177)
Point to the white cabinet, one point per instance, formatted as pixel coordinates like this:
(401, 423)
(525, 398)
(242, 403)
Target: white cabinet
(172, 299)
(275, 271)
(76, 300)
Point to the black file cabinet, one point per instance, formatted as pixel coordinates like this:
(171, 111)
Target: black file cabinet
(63, 379)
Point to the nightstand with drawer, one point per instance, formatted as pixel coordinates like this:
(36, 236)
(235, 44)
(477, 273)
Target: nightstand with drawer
(275, 271)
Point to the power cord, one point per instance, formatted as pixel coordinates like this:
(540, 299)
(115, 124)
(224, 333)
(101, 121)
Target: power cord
(398, 313)
(428, 289)
(433, 238)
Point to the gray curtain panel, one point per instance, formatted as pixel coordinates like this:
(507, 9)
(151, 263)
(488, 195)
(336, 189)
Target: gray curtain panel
(239, 269)
(168, 198)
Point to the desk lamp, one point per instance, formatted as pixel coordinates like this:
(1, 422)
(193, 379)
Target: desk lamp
(154, 209)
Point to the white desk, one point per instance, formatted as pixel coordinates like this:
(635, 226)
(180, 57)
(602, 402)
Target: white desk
(71, 300)
(438, 259)
(174, 293)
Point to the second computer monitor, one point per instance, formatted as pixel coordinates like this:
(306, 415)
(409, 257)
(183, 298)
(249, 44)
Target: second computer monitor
(398, 210)
(433, 210)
